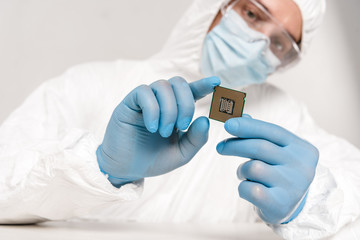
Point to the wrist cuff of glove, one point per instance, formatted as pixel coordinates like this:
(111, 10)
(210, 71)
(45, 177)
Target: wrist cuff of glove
(298, 209)
(115, 181)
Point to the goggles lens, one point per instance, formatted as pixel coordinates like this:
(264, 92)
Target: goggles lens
(258, 18)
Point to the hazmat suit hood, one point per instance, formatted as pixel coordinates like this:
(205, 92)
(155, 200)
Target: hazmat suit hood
(184, 45)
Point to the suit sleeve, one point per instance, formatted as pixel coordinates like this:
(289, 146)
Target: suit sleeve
(48, 165)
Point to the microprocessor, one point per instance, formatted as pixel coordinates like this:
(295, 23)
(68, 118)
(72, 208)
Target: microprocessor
(226, 103)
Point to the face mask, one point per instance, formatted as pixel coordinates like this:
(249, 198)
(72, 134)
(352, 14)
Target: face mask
(237, 54)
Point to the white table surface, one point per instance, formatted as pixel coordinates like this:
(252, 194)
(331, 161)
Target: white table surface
(109, 231)
(134, 231)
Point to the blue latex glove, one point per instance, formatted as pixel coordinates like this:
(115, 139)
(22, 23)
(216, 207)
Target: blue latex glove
(143, 139)
(282, 168)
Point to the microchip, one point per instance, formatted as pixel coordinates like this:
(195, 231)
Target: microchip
(226, 103)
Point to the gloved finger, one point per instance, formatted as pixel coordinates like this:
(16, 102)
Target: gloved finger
(143, 99)
(203, 87)
(260, 172)
(192, 141)
(185, 102)
(255, 193)
(254, 149)
(252, 128)
(246, 116)
(168, 110)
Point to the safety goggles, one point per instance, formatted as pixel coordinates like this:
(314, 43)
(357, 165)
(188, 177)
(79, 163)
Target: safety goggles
(282, 45)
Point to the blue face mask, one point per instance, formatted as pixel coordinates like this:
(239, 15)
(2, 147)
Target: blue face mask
(237, 54)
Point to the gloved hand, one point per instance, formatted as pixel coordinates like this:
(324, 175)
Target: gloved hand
(143, 139)
(282, 168)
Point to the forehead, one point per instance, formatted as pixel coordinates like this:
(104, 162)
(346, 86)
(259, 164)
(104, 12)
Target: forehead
(287, 13)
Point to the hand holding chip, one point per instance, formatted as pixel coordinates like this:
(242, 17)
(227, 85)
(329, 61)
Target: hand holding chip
(142, 137)
(282, 168)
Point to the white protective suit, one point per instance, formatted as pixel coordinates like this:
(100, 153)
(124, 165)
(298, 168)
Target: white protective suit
(49, 171)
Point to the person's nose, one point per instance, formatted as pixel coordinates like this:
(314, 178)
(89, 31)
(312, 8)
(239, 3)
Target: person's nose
(268, 29)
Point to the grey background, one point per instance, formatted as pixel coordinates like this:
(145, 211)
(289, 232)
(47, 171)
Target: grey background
(40, 39)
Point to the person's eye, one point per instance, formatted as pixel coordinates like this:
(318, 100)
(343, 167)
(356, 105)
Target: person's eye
(251, 15)
(278, 46)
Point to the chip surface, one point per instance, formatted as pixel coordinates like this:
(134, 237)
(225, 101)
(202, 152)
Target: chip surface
(226, 103)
